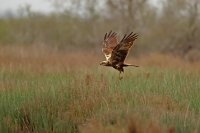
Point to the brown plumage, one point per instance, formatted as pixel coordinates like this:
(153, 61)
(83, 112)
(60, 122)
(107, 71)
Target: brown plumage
(116, 52)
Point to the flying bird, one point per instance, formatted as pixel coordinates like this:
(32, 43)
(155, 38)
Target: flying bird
(116, 52)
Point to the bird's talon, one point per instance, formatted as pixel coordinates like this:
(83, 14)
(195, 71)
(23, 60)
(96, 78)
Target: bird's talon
(120, 76)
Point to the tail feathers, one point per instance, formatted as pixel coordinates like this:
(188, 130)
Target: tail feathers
(125, 65)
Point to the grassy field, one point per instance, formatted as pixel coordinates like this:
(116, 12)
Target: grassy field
(59, 92)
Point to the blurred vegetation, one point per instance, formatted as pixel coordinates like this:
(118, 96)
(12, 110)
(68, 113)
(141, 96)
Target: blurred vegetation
(91, 101)
(173, 27)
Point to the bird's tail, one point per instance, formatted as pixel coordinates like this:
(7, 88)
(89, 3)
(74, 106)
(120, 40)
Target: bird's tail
(125, 65)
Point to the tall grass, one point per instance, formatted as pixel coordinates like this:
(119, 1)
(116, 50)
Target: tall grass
(39, 95)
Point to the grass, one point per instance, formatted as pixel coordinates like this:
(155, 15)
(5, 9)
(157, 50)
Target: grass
(40, 95)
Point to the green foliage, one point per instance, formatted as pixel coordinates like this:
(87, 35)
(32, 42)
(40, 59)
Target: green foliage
(63, 101)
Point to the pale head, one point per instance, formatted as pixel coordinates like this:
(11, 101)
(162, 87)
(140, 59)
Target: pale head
(105, 63)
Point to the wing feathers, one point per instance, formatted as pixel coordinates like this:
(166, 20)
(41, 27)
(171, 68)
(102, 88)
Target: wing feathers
(123, 37)
(105, 36)
(120, 52)
(129, 38)
(110, 34)
(110, 41)
(114, 52)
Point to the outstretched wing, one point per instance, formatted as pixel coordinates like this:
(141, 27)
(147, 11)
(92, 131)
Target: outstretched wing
(120, 52)
(109, 43)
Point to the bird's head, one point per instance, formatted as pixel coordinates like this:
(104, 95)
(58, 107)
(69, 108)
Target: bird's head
(104, 63)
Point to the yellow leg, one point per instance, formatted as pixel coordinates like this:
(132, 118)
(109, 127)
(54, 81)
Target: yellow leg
(120, 76)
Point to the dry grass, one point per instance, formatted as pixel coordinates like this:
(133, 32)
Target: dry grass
(49, 91)
(45, 59)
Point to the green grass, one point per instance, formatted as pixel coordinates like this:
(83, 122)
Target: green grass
(65, 101)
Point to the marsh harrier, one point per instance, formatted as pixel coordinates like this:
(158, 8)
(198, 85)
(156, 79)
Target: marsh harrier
(116, 52)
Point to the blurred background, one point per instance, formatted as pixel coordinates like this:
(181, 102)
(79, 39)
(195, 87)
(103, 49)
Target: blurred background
(164, 26)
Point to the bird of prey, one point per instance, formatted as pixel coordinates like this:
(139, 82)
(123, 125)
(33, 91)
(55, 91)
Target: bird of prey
(116, 52)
